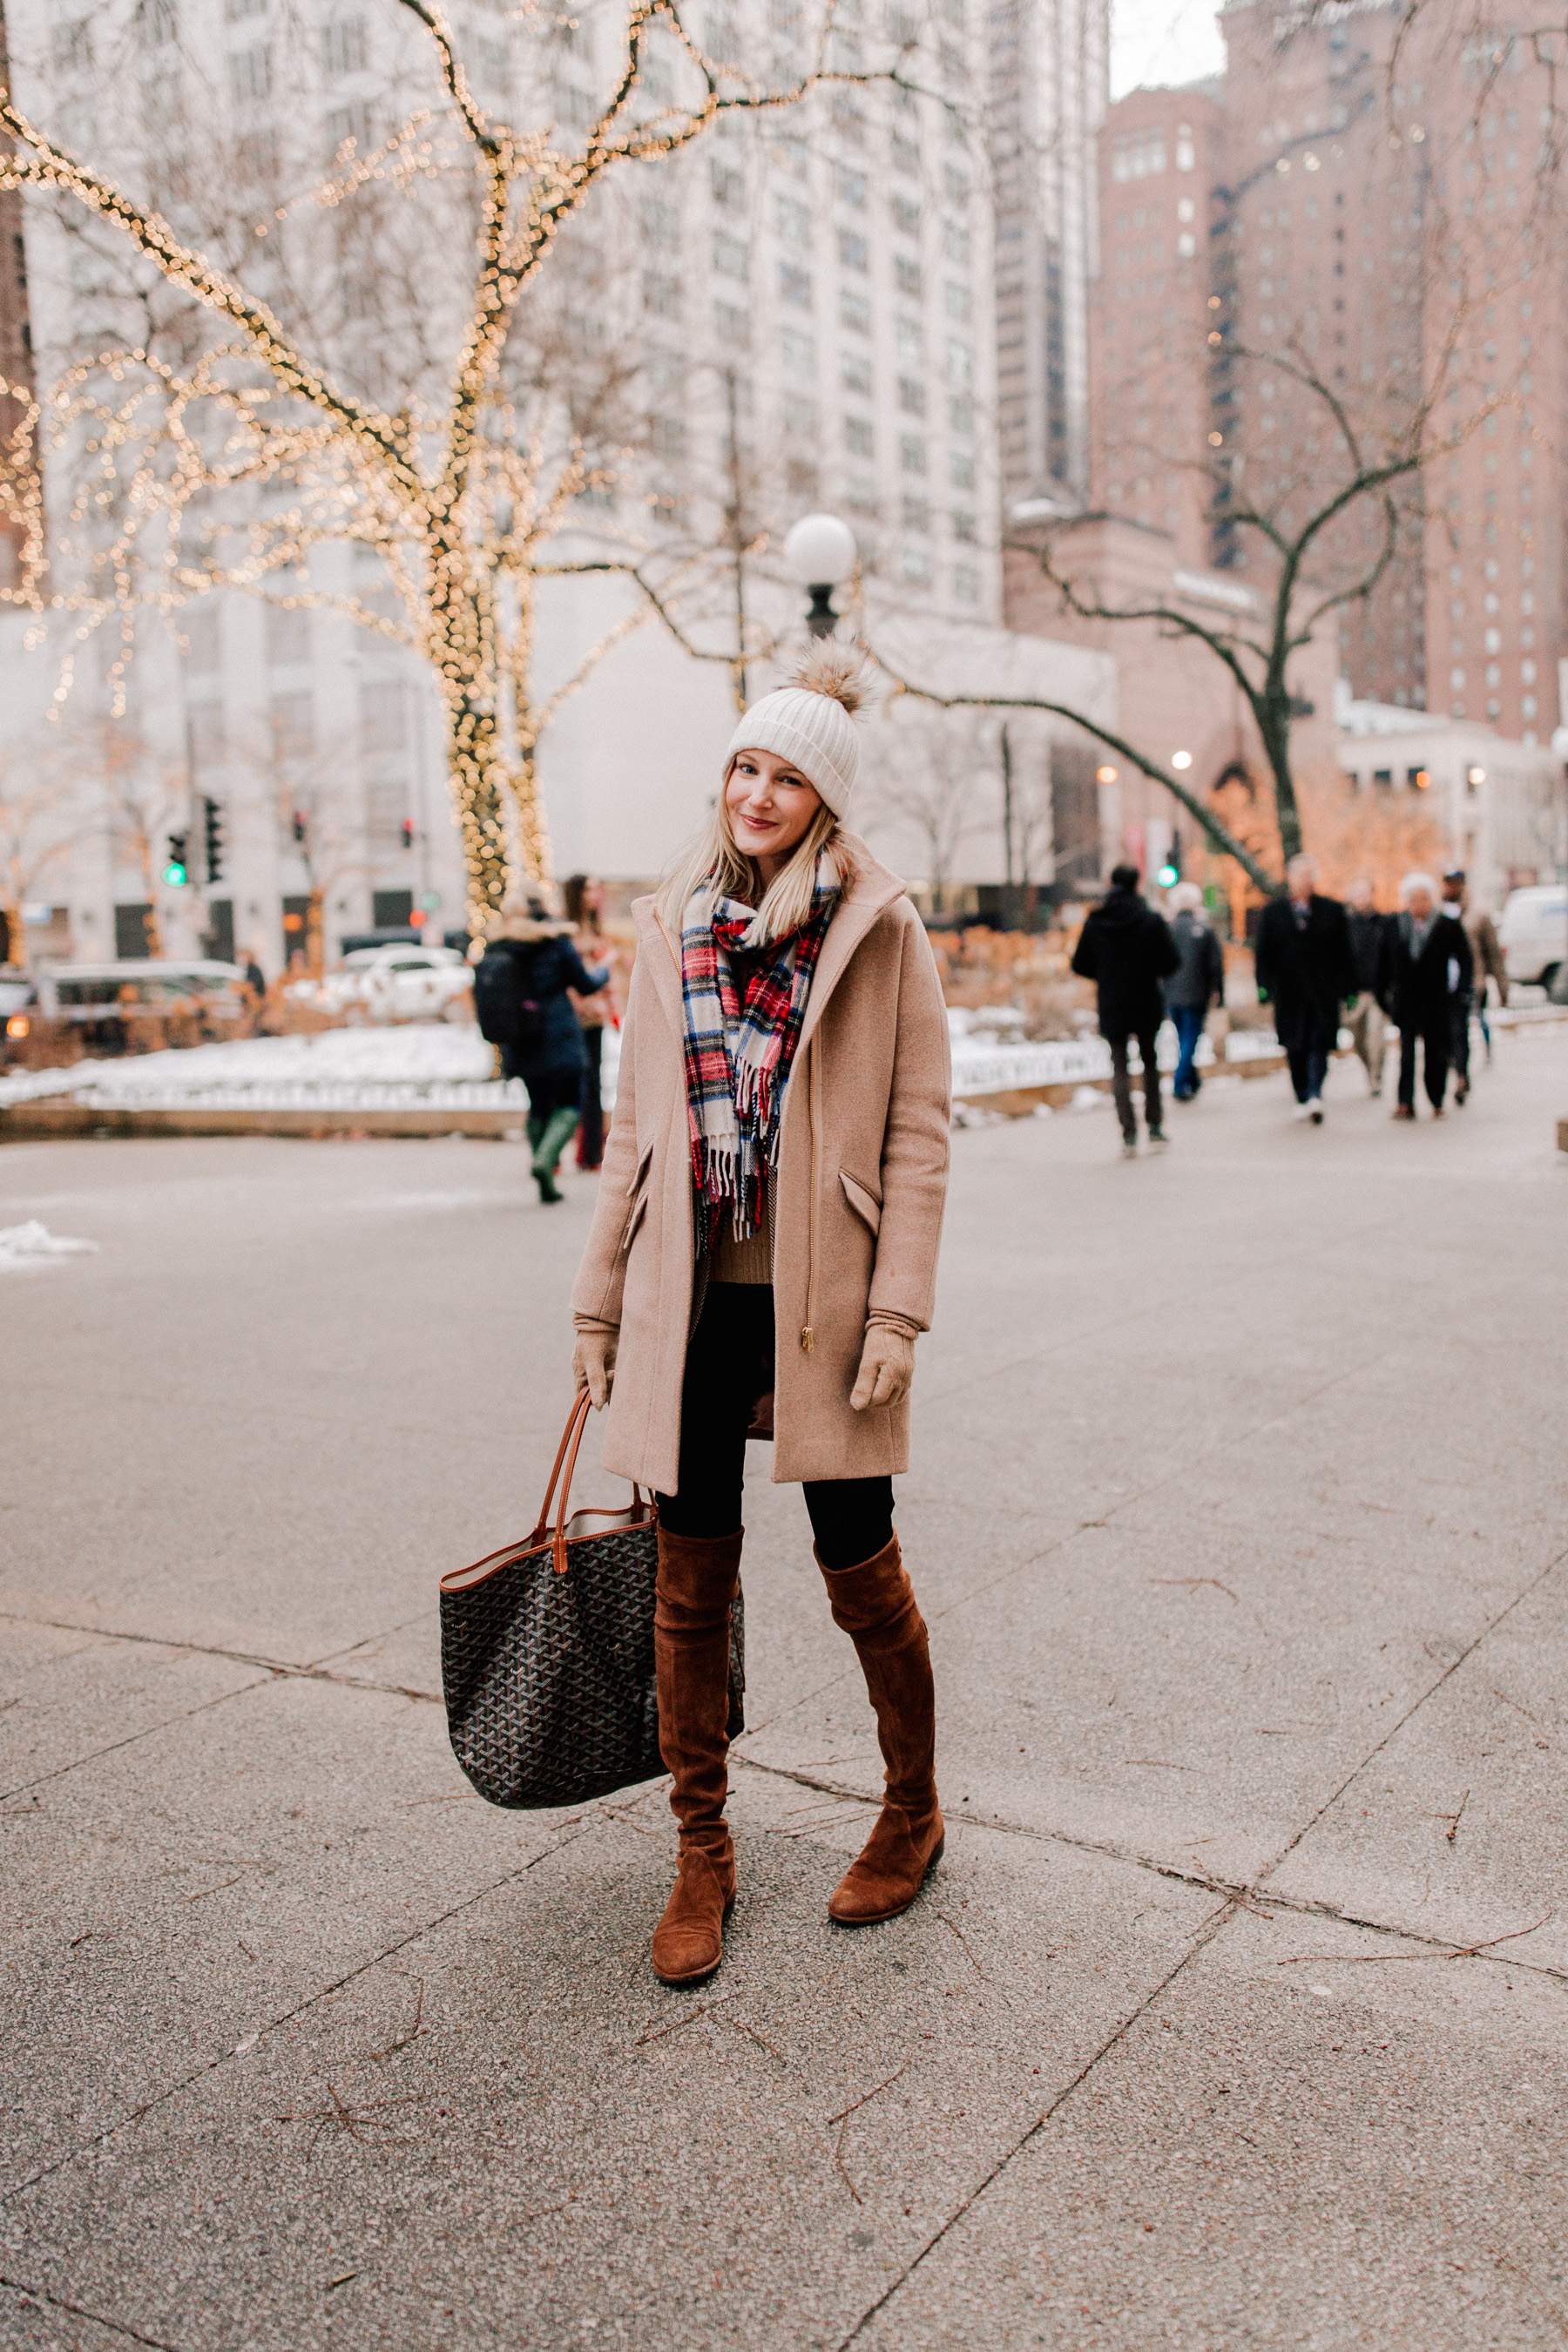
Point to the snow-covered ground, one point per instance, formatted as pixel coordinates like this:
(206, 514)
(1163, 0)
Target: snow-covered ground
(436, 1066)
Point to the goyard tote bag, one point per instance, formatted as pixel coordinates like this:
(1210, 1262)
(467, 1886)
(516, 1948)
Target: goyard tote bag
(547, 1651)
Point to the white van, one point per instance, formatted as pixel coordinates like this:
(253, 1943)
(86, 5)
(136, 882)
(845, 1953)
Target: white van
(1534, 932)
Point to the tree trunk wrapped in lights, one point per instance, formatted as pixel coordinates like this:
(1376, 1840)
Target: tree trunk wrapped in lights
(171, 458)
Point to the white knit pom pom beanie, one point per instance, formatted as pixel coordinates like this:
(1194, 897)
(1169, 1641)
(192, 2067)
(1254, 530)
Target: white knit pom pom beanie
(810, 723)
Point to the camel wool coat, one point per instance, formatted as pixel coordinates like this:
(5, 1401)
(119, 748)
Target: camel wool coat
(862, 1177)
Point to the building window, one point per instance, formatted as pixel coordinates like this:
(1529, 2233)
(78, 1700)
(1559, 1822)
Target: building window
(960, 470)
(958, 302)
(960, 364)
(800, 416)
(966, 585)
(795, 285)
(955, 243)
(911, 395)
(861, 495)
(853, 251)
(730, 258)
(960, 414)
(906, 216)
(799, 352)
(854, 312)
(850, 188)
(858, 437)
(906, 156)
(1139, 155)
(732, 325)
(662, 295)
(729, 186)
(793, 221)
(908, 275)
(855, 372)
(916, 514)
(964, 527)
(911, 453)
(1186, 155)
(915, 567)
(343, 46)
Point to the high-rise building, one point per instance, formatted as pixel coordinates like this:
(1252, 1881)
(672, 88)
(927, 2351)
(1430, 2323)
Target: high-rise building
(1392, 226)
(1046, 81)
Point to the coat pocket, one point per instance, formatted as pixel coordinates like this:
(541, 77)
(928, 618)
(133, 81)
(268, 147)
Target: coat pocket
(866, 1203)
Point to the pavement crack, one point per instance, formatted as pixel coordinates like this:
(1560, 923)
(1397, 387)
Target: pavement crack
(148, 1731)
(79, 2311)
(286, 2017)
(1119, 2033)
(1414, 1709)
(314, 1672)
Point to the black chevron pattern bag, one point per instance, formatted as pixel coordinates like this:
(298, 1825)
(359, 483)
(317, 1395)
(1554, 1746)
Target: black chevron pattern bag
(547, 1651)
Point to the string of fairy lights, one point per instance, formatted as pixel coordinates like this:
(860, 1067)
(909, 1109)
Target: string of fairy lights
(170, 463)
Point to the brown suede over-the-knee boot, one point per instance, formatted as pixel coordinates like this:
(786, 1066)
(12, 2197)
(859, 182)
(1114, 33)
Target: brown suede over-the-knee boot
(874, 1605)
(698, 1576)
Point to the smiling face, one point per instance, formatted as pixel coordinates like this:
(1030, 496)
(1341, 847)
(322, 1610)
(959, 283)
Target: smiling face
(770, 806)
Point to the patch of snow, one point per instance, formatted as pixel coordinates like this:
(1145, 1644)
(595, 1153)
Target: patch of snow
(1087, 1099)
(33, 1245)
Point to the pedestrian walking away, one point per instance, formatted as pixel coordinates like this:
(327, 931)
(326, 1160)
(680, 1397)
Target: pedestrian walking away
(1198, 980)
(583, 898)
(1126, 949)
(763, 1256)
(1452, 904)
(1366, 1020)
(1426, 965)
(521, 998)
(1488, 959)
(1305, 970)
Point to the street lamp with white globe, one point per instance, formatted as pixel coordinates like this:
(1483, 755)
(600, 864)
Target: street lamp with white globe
(821, 552)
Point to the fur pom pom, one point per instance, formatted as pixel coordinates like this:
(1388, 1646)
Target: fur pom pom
(835, 670)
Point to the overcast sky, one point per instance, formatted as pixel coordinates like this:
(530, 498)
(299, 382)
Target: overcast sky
(1157, 41)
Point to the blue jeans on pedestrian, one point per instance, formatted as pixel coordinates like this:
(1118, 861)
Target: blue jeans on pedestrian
(1188, 1020)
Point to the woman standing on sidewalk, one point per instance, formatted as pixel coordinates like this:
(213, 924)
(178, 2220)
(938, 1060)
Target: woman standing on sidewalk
(766, 1235)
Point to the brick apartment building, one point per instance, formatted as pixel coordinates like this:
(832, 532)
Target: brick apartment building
(1326, 227)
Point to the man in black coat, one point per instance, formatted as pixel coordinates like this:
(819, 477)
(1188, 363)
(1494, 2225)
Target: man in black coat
(1367, 1025)
(1305, 969)
(1427, 966)
(1126, 949)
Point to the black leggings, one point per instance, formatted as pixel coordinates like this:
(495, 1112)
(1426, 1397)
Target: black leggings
(728, 1365)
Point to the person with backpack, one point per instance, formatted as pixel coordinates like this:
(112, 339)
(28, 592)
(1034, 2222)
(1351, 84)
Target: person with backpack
(521, 1001)
(1126, 949)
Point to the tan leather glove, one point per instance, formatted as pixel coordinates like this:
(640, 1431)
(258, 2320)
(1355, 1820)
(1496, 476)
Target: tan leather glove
(594, 1361)
(887, 1368)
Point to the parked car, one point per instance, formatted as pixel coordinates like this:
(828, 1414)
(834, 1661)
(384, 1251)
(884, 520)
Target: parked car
(109, 1004)
(393, 983)
(84, 992)
(1534, 932)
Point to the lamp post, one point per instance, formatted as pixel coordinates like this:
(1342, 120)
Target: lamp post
(821, 552)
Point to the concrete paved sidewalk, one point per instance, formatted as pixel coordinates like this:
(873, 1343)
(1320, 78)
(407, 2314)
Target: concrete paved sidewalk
(1236, 2013)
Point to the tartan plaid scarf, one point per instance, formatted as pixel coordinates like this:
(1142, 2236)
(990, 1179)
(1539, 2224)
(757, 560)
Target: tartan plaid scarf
(742, 1029)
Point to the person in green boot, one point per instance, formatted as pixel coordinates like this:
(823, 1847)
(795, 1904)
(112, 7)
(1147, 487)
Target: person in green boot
(521, 998)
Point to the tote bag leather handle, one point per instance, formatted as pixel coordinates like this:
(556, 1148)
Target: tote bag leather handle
(572, 1436)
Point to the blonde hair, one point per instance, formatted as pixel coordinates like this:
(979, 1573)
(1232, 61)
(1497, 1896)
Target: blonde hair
(713, 863)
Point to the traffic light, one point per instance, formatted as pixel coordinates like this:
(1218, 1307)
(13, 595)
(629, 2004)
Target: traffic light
(213, 816)
(1171, 872)
(176, 873)
(299, 824)
(408, 832)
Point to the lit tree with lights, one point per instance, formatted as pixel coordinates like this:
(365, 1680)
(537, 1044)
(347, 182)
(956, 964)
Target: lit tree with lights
(177, 464)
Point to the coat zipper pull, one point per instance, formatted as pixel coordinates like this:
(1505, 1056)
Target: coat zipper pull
(807, 1339)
